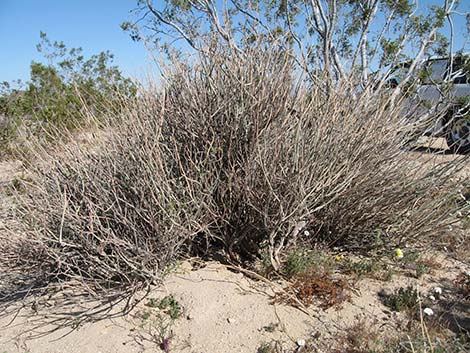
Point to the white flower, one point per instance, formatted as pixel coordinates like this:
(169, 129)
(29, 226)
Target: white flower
(438, 290)
(301, 343)
(428, 311)
(306, 233)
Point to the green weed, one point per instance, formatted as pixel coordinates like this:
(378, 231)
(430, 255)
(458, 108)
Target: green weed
(421, 269)
(171, 307)
(361, 268)
(271, 327)
(401, 299)
(153, 303)
(272, 347)
(146, 315)
(302, 260)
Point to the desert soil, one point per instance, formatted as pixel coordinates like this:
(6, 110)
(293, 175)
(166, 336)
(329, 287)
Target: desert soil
(222, 310)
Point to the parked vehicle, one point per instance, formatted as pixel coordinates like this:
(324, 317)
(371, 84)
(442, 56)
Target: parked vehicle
(442, 83)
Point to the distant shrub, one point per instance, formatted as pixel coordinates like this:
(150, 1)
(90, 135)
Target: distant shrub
(61, 93)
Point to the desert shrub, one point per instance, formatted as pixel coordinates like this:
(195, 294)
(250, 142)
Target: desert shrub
(59, 94)
(234, 153)
(285, 157)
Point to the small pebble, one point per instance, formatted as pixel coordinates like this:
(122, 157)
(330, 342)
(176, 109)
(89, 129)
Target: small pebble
(316, 335)
(230, 320)
(428, 311)
(432, 297)
(438, 290)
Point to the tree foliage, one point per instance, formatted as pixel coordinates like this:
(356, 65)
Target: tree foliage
(342, 39)
(60, 89)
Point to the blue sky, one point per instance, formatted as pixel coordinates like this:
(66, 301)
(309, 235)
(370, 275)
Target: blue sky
(92, 25)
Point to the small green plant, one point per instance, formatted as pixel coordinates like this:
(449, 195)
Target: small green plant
(264, 348)
(271, 327)
(153, 303)
(158, 320)
(368, 267)
(361, 268)
(302, 260)
(421, 264)
(388, 274)
(146, 315)
(269, 347)
(157, 327)
(168, 304)
(171, 306)
(411, 257)
(421, 269)
(401, 299)
(298, 261)
(172, 267)
(264, 265)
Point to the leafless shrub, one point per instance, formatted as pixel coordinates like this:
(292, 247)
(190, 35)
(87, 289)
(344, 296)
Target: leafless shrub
(239, 153)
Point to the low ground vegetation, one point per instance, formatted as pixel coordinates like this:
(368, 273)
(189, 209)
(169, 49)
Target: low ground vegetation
(158, 319)
(418, 328)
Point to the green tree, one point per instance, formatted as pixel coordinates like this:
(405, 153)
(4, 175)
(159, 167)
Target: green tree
(341, 39)
(61, 89)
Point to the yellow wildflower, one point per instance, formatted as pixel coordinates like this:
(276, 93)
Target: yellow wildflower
(398, 253)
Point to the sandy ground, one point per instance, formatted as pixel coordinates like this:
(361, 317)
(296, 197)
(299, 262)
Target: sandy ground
(222, 311)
